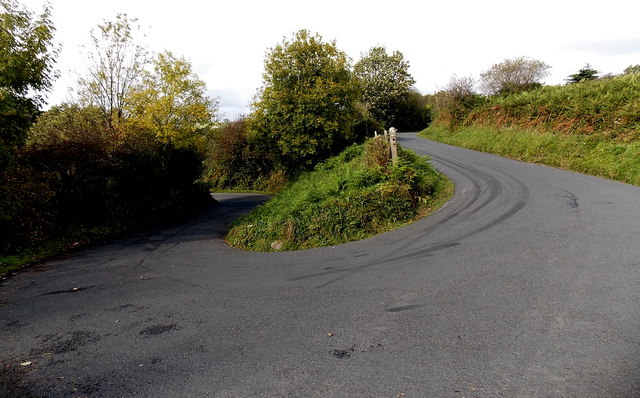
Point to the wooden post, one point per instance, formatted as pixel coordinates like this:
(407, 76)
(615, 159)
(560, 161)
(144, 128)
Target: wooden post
(393, 142)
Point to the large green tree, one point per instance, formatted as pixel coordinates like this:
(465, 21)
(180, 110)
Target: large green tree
(27, 59)
(171, 102)
(305, 109)
(385, 82)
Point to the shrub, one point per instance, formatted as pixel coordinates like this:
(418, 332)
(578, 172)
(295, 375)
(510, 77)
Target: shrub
(414, 114)
(345, 198)
(27, 214)
(609, 107)
(75, 176)
(240, 160)
(377, 152)
(513, 76)
(455, 102)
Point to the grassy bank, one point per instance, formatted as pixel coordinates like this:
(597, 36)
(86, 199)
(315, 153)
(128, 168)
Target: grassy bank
(592, 127)
(607, 108)
(352, 196)
(589, 154)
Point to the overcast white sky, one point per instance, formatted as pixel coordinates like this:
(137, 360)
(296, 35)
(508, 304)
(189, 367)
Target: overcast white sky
(226, 41)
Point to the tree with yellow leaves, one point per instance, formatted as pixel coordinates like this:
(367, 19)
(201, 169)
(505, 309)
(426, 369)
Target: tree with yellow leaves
(171, 102)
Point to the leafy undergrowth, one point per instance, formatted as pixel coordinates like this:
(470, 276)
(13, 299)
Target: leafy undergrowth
(353, 196)
(608, 108)
(590, 154)
(592, 127)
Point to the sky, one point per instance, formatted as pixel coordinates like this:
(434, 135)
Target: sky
(226, 41)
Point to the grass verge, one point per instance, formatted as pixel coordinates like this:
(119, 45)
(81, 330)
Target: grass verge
(594, 155)
(349, 197)
(609, 107)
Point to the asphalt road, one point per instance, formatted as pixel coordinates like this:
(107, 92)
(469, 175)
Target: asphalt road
(526, 284)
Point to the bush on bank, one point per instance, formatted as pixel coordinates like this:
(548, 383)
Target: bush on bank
(352, 196)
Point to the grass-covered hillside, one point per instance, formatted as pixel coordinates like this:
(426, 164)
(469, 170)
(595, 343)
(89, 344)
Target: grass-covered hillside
(352, 196)
(609, 108)
(591, 127)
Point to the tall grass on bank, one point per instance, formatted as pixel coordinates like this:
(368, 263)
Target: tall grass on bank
(613, 159)
(591, 127)
(608, 107)
(353, 196)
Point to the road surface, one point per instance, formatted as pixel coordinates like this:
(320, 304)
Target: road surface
(525, 284)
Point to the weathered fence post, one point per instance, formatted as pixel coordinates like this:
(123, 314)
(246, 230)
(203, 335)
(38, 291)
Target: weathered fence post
(393, 142)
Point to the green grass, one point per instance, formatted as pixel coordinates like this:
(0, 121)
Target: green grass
(346, 198)
(609, 108)
(613, 159)
(591, 127)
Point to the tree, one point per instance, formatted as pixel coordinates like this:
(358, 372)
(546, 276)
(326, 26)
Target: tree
(116, 63)
(456, 101)
(460, 87)
(386, 83)
(414, 113)
(513, 75)
(584, 74)
(26, 70)
(70, 122)
(305, 109)
(172, 103)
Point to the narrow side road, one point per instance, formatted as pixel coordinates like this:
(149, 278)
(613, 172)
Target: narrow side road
(525, 284)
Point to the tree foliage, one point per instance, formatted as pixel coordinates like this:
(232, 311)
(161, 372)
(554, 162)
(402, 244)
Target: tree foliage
(73, 175)
(237, 160)
(414, 113)
(70, 122)
(172, 103)
(116, 63)
(455, 102)
(131, 150)
(26, 70)
(305, 109)
(513, 75)
(631, 69)
(584, 74)
(385, 82)
(460, 87)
